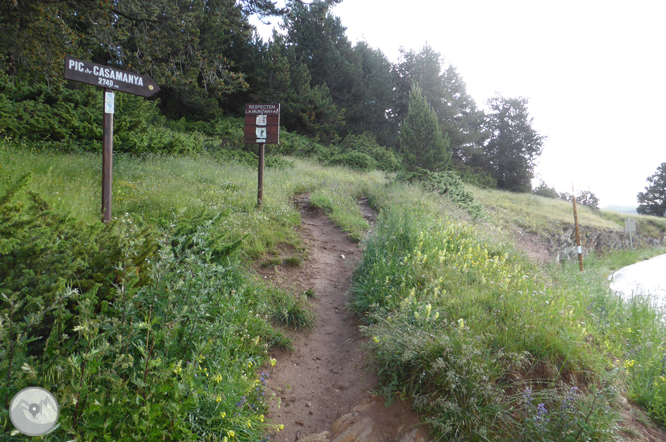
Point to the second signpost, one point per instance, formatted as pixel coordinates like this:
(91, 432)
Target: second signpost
(262, 126)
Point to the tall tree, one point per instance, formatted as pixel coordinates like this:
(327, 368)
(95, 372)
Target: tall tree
(653, 200)
(513, 146)
(457, 113)
(459, 118)
(320, 42)
(176, 42)
(425, 69)
(306, 109)
(373, 109)
(421, 142)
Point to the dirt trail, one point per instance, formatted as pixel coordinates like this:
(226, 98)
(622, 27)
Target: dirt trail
(327, 374)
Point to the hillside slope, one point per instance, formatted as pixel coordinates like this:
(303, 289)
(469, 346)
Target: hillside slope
(550, 222)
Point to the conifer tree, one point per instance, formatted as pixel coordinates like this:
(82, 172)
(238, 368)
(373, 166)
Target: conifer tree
(421, 140)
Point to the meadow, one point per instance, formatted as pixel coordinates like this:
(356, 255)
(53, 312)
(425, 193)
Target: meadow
(154, 328)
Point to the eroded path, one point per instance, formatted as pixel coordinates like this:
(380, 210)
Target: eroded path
(327, 375)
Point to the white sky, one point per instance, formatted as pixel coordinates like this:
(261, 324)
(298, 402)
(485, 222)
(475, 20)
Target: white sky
(594, 73)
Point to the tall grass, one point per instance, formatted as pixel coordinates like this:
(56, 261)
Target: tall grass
(166, 344)
(490, 346)
(467, 327)
(160, 189)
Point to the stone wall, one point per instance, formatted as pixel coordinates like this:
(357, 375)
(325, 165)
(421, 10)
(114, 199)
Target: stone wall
(563, 245)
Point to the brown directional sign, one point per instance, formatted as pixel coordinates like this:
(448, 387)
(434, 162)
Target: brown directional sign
(109, 78)
(262, 124)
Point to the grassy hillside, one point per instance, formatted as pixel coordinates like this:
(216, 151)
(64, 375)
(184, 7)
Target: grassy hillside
(157, 315)
(546, 216)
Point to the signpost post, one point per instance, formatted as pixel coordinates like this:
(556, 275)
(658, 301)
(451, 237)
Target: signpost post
(630, 227)
(111, 79)
(575, 211)
(262, 126)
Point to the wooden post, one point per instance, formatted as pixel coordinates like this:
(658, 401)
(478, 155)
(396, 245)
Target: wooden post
(580, 249)
(107, 154)
(260, 187)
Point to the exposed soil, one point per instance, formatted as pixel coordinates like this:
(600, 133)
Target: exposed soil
(327, 374)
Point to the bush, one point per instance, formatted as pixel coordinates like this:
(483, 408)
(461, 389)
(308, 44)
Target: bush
(543, 190)
(585, 198)
(464, 327)
(118, 320)
(475, 176)
(71, 120)
(445, 183)
(354, 160)
(366, 143)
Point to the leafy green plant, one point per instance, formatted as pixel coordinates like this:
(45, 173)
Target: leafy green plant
(445, 183)
(120, 320)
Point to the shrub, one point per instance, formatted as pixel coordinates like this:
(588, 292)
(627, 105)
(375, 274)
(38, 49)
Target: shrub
(366, 143)
(475, 176)
(71, 120)
(354, 160)
(445, 183)
(543, 190)
(118, 320)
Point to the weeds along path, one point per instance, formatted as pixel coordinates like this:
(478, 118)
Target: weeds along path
(327, 374)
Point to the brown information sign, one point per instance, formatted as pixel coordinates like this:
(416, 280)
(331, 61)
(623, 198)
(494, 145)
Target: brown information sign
(109, 78)
(262, 124)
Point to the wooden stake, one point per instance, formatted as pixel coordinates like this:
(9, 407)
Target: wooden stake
(260, 187)
(107, 155)
(580, 249)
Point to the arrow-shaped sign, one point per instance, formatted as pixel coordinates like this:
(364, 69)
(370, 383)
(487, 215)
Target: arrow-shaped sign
(109, 78)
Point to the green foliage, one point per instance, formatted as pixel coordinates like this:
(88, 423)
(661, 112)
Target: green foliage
(71, 120)
(585, 197)
(544, 190)
(421, 142)
(653, 200)
(445, 183)
(444, 89)
(115, 326)
(475, 176)
(461, 325)
(565, 414)
(361, 152)
(318, 43)
(513, 147)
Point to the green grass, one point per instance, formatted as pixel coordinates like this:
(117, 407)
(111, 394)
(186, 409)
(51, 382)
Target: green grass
(622, 258)
(176, 332)
(458, 319)
(541, 215)
(161, 189)
(467, 326)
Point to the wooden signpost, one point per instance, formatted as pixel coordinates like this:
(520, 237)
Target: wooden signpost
(575, 211)
(111, 79)
(262, 126)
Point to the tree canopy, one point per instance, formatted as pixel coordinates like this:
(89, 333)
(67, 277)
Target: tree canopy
(421, 141)
(513, 146)
(208, 61)
(653, 200)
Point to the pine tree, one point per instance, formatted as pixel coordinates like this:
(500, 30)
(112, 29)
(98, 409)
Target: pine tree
(653, 200)
(421, 141)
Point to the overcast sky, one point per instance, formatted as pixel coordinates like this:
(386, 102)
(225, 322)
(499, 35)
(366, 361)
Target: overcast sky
(594, 73)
